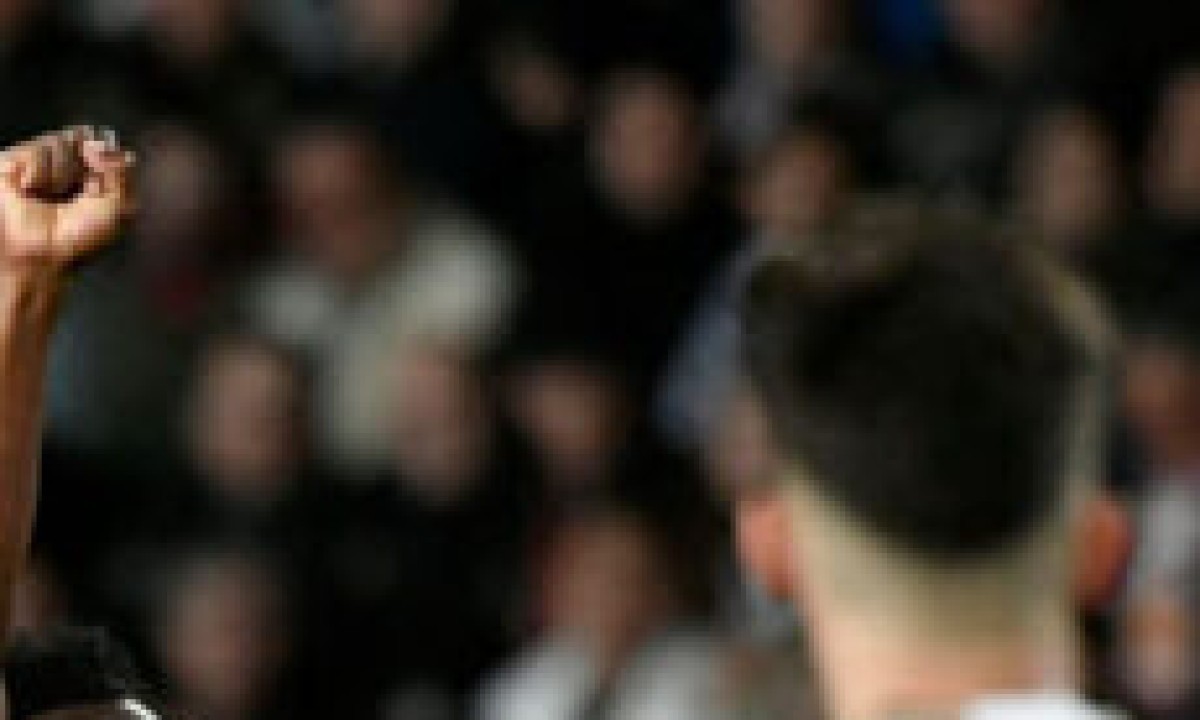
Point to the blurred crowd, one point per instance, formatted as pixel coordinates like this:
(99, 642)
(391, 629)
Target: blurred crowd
(413, 391)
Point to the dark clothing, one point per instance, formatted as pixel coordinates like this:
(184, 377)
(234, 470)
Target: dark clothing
(630, 286)
(240, 95)
(956, 132)
(420, 595)
(52, 76)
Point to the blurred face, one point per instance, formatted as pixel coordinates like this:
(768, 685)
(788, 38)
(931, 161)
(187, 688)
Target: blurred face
(609, 588)
(335, 202)
(247, 432)
(802, 183)
(574, 416)
(786, 33)
(1157, 658)
(37, 603)
(14, 14)
(538, 92)
(1162, 402)
(1175, 156)
(395, 29)
(439, 425)
(999, 32)
(649, 147)
(1071, 178)
(181, 185)
(222, 643)
(192, 28)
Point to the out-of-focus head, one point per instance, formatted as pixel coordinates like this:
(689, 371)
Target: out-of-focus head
(576, 413)
(647, 143)
(338, 198)
(1161, 393)
(440, 423)
(1174, 170)
(934, 386)
(1158, 663)
(787, 33)
(608, 584)
(998, 33)
(15, 16)
(1069, 178)
(534, 84)
(247, 418)
(799, 182)
(221, 634)
(393, 32)
(193, 29)
(39, 602)
(73, 674)
(183, 183)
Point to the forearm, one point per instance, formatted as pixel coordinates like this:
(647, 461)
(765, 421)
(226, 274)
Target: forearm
(28, 305)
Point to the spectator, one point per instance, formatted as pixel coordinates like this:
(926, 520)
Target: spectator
(39, 603)
(1156, 257)
(246, 472)
(539, 102)
(202, 61)
(535, 86)
(793, 189)
(954, 134)
(427, 568)
(625, 253)
(1173, 179)
(1162, 400)
(691, 37)
(246, 428)
(580, 421)
(1158, 665)
(1159, 646)
(608, 648)
(414, 61)
(221, 635)
(792, 50)
(1070, 184)
(801, 180)
(240, 473)
(369, 267)
(592, 448)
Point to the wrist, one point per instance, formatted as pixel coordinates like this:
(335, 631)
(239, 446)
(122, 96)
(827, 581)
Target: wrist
(31, 292)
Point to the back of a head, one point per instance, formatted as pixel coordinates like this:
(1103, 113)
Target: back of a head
(923, 369)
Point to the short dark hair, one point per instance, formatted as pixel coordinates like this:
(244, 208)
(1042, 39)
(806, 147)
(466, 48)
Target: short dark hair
(68, 667)
(915, 362)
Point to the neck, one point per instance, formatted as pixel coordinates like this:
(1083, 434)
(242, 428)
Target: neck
(873, 673)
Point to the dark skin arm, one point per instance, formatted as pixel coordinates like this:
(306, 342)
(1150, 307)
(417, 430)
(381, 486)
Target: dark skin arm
(62, 199)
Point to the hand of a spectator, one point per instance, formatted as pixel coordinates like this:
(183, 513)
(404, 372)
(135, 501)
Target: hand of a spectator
(63, 197)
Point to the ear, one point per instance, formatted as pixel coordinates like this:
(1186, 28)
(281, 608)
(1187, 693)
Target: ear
(764, 540)
(1105, 545)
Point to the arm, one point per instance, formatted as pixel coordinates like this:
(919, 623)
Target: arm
(27, 311)
(62, 197)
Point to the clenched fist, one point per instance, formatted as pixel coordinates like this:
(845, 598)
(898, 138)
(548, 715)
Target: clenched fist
(62, 199)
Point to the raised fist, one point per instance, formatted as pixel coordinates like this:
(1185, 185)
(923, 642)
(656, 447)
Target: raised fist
(62, 199)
